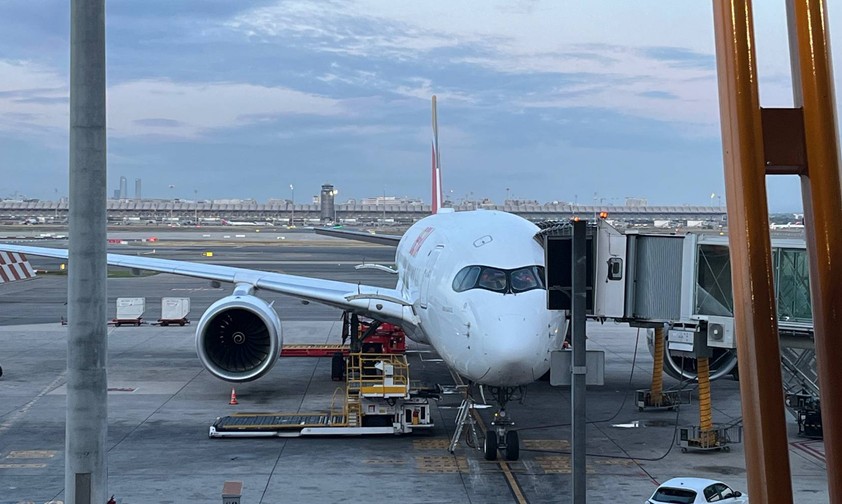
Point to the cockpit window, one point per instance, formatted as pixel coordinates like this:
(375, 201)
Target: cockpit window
(492, 279)
(466, 278)
(499, 280)
(525, 279)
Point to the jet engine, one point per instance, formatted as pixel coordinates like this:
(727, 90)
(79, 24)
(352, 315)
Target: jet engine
(722, 362)
(239, 338)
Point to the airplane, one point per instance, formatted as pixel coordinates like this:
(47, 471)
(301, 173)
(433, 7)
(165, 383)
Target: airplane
(470, 284)
(788, 225)
(238, 223)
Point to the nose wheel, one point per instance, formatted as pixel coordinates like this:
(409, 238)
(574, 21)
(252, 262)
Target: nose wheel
(500, 437)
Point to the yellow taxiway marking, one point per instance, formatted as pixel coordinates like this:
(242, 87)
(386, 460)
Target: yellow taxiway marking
(431, 444)
(507, 472)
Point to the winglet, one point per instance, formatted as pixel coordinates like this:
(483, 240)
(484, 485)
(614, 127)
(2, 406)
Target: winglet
(437, 199)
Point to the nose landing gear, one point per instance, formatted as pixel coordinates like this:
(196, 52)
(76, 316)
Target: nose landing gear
(499, 436)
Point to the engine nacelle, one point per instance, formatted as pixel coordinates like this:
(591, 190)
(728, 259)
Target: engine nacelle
(239, 338)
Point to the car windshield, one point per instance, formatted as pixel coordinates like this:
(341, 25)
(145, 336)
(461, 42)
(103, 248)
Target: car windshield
(499, 280)
(674, 495)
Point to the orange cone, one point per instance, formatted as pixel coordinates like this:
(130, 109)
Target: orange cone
(233, 397)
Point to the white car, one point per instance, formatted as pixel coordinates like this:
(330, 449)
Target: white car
(696, 491)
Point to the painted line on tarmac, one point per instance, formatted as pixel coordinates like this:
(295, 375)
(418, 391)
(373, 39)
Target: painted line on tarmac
(17, 415)
(514, 486)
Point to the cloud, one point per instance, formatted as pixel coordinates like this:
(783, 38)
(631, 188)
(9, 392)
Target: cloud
(510, 40)
(189, 110)
(32, 98)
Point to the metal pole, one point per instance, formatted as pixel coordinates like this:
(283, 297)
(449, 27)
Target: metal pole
(755, 321)
(577, 383)
(812, 76)
(85, 473)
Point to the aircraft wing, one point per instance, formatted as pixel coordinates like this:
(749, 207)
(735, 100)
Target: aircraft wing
(381, 239)
(374, 301)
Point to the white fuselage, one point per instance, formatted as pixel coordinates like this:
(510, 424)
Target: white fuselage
(491, 338)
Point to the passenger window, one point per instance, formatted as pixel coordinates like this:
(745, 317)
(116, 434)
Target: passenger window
(727, 493)
(713, 493)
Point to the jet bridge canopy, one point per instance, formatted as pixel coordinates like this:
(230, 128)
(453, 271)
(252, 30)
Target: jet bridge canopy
(680, 280)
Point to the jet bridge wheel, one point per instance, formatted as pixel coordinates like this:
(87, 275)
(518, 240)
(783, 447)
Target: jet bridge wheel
(512, 445)
(489, 449)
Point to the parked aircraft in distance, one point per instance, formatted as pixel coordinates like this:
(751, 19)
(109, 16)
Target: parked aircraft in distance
(788, 225)
(226, 222)
(470, 284)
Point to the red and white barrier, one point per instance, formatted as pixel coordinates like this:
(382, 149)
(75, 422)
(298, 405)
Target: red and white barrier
(14, 266)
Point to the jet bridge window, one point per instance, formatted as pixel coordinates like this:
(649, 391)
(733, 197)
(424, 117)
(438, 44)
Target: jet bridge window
(499, 280)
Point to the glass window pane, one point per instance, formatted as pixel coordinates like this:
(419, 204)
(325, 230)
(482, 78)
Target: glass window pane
(524, 279)
(794, 286)
(713, 281)
(492, 279)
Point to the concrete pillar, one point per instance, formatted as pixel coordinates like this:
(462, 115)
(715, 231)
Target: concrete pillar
(578, 315)
(85, 474)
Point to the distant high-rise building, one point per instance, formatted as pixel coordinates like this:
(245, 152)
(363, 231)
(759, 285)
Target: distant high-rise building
(116, 194)
(137, 189)
(124, 190)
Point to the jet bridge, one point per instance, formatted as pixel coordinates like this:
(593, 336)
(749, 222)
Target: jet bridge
(683, 283)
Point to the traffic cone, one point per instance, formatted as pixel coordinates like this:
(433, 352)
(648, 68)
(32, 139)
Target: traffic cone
(233, 397)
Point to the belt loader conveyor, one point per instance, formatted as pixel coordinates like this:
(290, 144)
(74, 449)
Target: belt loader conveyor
(379, 399)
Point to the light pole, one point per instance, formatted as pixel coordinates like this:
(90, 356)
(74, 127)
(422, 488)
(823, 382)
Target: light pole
(292, 217)
(384, 206)
(196, 201)
(334, 193)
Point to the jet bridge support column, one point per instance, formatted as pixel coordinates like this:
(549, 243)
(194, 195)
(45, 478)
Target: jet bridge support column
(658, 368)
(705, 416)
(755, 320)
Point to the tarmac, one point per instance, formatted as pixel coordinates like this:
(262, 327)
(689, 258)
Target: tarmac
(162, 403)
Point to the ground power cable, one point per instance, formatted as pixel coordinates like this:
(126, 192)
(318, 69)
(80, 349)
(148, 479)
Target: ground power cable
(616, 413)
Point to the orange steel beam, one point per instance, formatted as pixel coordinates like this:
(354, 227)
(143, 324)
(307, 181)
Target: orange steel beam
(822, 193)
(755, 321)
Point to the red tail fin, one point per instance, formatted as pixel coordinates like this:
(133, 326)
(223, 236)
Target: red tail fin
(437, 199)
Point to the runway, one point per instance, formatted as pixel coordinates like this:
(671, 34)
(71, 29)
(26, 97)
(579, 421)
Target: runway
(161, 403)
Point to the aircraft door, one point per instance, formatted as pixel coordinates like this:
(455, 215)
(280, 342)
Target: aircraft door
(429, 271)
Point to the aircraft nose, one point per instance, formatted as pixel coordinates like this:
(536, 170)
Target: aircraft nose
(516, 347)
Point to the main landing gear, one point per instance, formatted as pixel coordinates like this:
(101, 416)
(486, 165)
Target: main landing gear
(500, 435)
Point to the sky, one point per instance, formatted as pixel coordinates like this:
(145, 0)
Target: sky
(556, 100)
